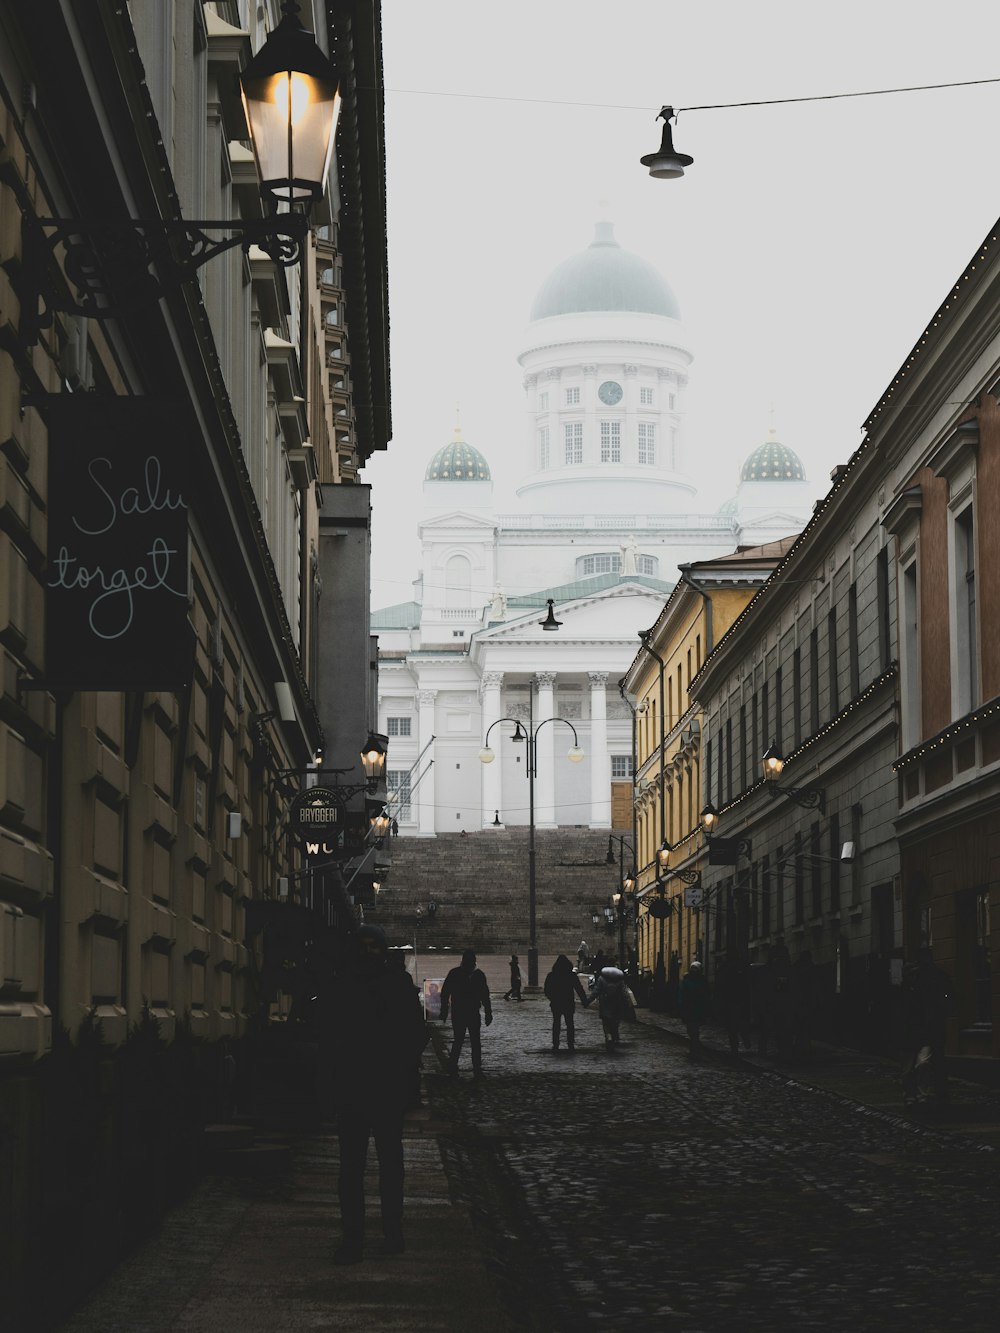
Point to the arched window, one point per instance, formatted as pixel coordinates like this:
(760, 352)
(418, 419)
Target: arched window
(458, 581)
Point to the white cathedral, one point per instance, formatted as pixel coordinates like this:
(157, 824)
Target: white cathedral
(606, 520)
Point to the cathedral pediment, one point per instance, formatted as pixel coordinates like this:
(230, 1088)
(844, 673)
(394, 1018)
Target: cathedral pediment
(612, 615)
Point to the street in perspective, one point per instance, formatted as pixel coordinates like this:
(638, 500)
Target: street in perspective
(499, 666)
(614, 1185)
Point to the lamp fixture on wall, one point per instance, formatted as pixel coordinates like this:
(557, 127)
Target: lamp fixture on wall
(773, 763)
(291, 96)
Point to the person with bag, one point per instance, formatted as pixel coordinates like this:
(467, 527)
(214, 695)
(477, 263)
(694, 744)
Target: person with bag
(465, 989)
(692, 999)
(375, 1036)
(612, 1002)
(562, 987)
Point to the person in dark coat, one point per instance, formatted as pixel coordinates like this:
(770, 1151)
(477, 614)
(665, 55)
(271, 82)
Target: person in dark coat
(465, 989)
(515, 980)
(692, 1000)
(562, 987)
(733, 988)
(803, 1002)
(781, 998)
(928, 1006)
(612, 1002)
(376, 1035)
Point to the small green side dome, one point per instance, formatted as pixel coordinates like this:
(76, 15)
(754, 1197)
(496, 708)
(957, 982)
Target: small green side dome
(604, 277)
(457, 461)
(773, 461)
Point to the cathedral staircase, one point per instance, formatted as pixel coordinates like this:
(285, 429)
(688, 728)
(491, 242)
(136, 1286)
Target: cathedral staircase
(478, 883)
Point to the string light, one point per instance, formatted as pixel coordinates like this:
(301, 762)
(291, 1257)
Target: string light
(949, 734)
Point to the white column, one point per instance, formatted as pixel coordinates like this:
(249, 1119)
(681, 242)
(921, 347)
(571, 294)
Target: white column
(600, 763)
(545, 772)
(424, 793)
(492, 773)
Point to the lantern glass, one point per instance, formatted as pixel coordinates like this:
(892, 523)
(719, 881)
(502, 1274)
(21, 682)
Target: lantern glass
(487, 755)
(575, 754)
(373, 758)
(773, 763)
(291, 97)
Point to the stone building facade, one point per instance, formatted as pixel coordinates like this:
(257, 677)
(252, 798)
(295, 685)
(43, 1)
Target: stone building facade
(144, 789)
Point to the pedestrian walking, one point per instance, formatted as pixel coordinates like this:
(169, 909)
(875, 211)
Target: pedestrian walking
(465, 989)
(732, 982)
(612, 1002)
(562, 988)
(375, 1034)
(802, 984)
(781, 962)
(582, 955)
(515, 980)
(394, 829)
(929, 1002)
(692, 1000)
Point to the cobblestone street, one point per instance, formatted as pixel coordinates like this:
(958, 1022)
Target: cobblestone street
(622, 1187)
(630, 1186)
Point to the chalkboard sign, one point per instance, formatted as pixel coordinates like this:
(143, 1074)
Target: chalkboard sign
(117, 583)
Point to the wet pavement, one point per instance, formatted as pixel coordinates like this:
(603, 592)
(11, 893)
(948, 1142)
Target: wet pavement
(609, 1187)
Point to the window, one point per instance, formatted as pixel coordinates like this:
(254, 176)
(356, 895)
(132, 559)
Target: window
(398, 726)
(621, 766)
(398, 787)
(458, 581)
(778, 730)
(599, 564)
(645, 397)
(573, 441)
(852, 640)
(797, 697)
(982, 977)
(966, 672)
(543, 447)
(543, 402)
(765, 717)
(835, 862)
(816, 870)
(572, 397)
(742, 743)
(729, 758)
(671, 402)
(800, 883)
(882, 602)
(611, 441)
(910, 672)
(814, 681)
(647, 443)
(832, 647)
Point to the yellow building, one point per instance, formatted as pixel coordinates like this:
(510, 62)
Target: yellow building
(671, 919)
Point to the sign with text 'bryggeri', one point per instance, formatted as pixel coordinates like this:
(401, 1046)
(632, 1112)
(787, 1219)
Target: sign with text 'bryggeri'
(117, 584)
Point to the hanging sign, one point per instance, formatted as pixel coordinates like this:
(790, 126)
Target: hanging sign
(314, 814)
(117, 582)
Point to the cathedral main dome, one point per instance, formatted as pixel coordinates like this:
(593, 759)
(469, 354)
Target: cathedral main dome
(604, 277)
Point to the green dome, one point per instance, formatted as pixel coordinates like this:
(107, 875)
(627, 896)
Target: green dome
(604, 277)
(457, 461)
(773, 461)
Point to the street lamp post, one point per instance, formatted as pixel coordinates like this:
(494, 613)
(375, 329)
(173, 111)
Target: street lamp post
(626, 887)
(486, 756)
